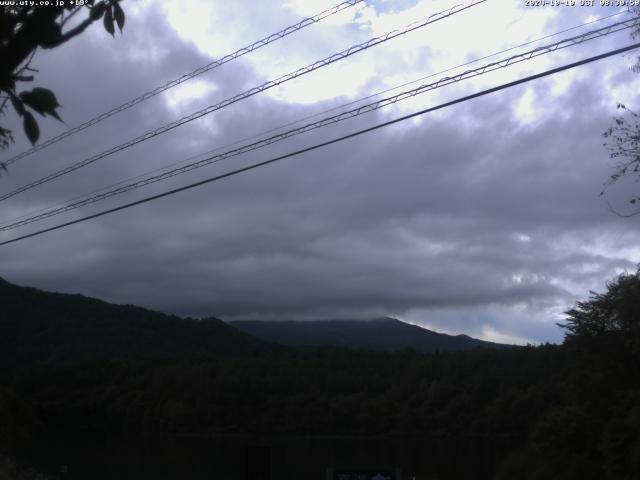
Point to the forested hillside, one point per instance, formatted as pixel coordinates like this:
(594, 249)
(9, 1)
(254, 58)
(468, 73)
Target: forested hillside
(568, 412)
(383, 334)
(44, 326)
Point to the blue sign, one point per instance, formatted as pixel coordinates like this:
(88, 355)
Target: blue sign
(363, 474)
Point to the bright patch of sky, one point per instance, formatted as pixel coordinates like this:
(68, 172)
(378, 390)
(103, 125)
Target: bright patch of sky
(491, 323)
(188, 95)
(218, 28)
(492, 335)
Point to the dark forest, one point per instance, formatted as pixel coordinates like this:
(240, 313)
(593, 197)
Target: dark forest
(569, 411)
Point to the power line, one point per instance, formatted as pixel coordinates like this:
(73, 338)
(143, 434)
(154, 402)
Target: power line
(300, 120)
(564, 43)
(198, 71)
(330, 142)
(334, 119)
(265, 86)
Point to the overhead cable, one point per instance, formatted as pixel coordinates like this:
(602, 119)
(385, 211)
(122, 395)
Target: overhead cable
(242, 96)
(329, 142)
(568, 42)
(188, 76)
(308, 117)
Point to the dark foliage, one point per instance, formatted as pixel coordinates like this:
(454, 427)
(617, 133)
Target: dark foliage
(569, 412)
(27, 26)
(594, 433)
(622, 140)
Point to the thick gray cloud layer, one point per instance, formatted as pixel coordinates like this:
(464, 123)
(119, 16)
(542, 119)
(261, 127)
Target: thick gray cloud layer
(468, 221)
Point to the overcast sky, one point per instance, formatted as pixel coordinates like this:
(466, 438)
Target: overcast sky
(482, 218)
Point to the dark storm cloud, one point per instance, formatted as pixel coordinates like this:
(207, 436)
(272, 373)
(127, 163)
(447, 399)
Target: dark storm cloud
(465, 212)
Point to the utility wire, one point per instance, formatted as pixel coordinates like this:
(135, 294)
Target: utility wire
(265, 86)
(198, 71)
(308, 117)
(330, 142)
(568, 42)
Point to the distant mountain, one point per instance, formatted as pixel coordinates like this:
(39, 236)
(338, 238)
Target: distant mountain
(43, 326)
(385, 334)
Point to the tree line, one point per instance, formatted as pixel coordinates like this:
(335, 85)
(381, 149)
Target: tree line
(571, 410)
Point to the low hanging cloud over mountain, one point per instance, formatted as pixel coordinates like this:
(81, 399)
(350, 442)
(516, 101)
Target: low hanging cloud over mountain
(483, 218)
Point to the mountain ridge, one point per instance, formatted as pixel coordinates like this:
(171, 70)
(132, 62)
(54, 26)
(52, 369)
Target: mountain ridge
(382, 334)
(37, 325)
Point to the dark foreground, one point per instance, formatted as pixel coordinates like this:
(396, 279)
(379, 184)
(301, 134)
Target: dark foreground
(166, 457)
(561, 412)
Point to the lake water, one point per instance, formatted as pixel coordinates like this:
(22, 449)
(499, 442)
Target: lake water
(107, 457)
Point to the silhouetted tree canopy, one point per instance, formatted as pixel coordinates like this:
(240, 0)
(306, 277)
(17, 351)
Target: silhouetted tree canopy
(622, 139)
(616, 312)
(27, 26)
